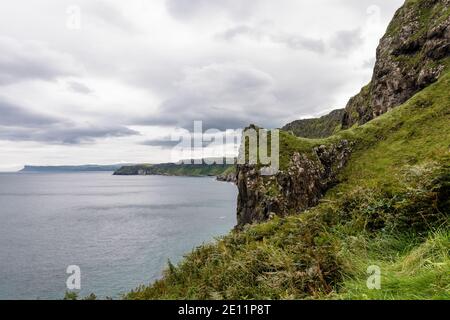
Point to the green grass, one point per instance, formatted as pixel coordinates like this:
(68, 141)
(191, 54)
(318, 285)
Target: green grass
(229, 170)
(425, 11)
(317, 128)
(418, 273)
(390, 209)
(172, 169)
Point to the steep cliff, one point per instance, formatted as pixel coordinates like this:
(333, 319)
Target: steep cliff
(375, 194)
(411, 55)
(299, 186)
(229, 175)
(389, 208)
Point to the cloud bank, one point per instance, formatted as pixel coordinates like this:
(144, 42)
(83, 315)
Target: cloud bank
(136, 71)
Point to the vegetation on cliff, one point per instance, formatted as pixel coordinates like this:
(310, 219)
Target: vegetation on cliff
(410, 56)
(317, 127)
(374, 194)
(390, 209)
(175, 169)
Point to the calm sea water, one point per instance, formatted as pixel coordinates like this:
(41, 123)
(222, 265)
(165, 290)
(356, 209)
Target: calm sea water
(120, 231)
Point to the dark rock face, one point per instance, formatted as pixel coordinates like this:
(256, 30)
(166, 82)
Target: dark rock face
(409, 58)
(294, 190)
(411, 55)
(227, 177)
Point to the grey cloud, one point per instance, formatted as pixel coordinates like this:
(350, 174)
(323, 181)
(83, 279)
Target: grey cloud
(298, 42)
(20, 124)
(168, 143)
(14, 115)
(292, 41)
(187, 9)
(386, 7)
(346, 40)
(369, 64)
(110, 15)
(85, 133)
(232, 33)
(30, 60)
(79, 87)
(64, 133)
(223, 96)
(164, 143)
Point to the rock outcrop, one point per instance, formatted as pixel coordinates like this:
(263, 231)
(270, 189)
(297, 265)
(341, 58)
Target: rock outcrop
(293, 190)
(227, 177)
(410, 56)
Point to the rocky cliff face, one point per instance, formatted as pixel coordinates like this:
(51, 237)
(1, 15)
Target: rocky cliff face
(227, 177)
(292, 190)
(410, 56)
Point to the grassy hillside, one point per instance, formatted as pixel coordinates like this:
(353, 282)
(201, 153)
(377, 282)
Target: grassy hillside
(172, 169)
(317, 127)
(410, 56)
(390, 209)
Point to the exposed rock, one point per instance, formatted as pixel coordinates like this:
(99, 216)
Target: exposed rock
(227, 177)
(293, 190)
(409, 57)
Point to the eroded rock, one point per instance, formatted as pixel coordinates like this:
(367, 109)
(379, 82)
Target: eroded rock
(293, 190)
(410, 57)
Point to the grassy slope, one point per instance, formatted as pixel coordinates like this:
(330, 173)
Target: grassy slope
(170, 169)
(317, 127)
(390, 209)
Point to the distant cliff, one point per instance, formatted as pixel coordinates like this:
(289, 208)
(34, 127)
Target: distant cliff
(175, 169)
(317, 127)
(62, 169)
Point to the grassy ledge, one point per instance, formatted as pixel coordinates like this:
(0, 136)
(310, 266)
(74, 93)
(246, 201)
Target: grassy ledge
(390, 209)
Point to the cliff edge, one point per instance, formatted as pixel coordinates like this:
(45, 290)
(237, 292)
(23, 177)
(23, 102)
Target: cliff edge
(411, 55)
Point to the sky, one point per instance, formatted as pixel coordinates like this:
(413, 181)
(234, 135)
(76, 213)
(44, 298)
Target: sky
(105, 82)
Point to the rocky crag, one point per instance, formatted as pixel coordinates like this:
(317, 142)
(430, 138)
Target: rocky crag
(297, 188)
(228, 176)
(385, 187)
(411, 56)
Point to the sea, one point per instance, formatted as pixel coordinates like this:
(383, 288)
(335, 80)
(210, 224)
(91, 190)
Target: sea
(114, 233)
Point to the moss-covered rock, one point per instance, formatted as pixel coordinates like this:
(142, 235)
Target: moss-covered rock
(297, 187)
(411, 55)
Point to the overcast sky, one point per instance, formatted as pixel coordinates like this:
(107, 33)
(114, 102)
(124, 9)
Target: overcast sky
(110, 81)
